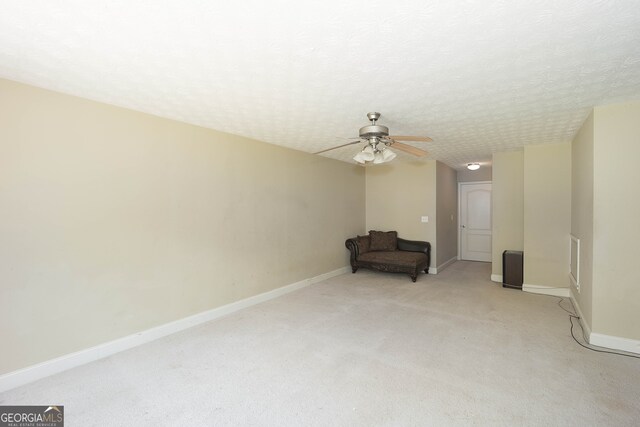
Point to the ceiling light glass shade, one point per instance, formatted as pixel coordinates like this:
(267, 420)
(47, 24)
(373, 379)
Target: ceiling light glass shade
(388, 155)
(359, 158)
(473, 166)
(378, 158)
(368, 153)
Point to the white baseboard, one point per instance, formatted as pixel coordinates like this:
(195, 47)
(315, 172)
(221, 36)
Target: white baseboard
(602, 340)
(312, 280)
(496, 278)
(546, 290)
(433, 270)
(68, 361)
(615, 343)
(445, 265)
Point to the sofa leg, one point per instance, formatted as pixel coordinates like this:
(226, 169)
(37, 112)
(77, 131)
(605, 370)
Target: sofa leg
(354, 269)
(426, 270)
(414, 277)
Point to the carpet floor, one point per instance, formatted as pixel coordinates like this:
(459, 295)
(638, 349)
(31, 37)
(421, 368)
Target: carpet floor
(360, 350)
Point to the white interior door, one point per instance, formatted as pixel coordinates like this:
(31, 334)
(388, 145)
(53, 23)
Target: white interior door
(475, 221)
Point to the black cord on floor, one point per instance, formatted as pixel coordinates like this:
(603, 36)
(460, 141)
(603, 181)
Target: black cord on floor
(589, 346)
(560, 301)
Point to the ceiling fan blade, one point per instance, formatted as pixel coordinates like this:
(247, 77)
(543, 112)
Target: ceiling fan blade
(408, 149)
(339, 146)
(412, 138)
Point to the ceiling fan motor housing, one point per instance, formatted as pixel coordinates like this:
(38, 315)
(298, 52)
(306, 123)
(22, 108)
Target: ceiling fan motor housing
(374, 131)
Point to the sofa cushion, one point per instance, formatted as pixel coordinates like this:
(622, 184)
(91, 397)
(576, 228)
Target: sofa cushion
(364, 244)
(402, 258)
(384, 241)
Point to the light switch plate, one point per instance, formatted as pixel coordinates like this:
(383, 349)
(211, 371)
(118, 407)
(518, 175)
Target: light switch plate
(424, 219)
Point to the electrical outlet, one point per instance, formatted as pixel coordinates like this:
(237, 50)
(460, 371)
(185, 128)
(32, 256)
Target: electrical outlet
(424, 219)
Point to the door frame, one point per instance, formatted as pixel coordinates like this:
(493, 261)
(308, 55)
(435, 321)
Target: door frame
(460, 184)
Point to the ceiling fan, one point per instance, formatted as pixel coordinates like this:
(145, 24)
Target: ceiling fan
(377, 142)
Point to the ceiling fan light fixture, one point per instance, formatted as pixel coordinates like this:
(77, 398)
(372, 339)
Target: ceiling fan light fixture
(378, 158)
(359, 158)
(388, 155)
(473, 166)
(368, 153)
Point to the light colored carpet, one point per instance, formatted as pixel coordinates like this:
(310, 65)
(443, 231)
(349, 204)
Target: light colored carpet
(360, 350)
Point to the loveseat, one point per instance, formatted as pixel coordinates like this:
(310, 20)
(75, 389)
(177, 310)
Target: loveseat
(385, 251)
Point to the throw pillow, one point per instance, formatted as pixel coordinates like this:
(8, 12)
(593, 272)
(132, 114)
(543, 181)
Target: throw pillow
(364, 244)
(384, 241)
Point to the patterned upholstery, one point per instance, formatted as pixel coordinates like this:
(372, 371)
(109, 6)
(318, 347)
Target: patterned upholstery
(384, 241)
(364, 244)
(402, 258)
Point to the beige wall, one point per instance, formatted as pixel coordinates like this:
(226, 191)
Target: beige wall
(547, 214)
(582, 212)
(113, 221)
(446, 213)
(398, 194)
(616, 212)
(485, 173)
(507, 206)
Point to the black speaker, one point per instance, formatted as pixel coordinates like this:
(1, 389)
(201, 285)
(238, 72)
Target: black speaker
(512, 269)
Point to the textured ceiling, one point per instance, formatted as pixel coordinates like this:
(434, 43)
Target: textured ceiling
(476, 76)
